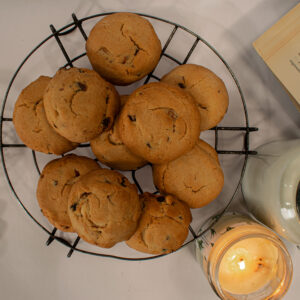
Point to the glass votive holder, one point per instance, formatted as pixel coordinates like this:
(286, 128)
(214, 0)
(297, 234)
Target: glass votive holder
(244, 260)
(271, 187)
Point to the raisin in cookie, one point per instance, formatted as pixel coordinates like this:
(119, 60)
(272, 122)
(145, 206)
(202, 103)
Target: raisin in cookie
(123, 48)
(31, 124)
(55, 184)
(79, 104)
(104, 208)
(195, 177)
(159, 122)
(111, 151)
(163, 226)
(206, 87)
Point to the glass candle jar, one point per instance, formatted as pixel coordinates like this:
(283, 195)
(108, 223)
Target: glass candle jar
(271, 187)
(244, 260)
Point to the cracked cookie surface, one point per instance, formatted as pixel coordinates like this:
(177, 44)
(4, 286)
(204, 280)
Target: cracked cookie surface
(159, 122)
(111, 151)
(208, 90)
(104, 208)
(31, 124)
(123, 48)
(163, 226)
(55, 184)
(79, 104)
(195, 177)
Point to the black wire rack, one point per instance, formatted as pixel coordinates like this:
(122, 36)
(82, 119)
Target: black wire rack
(77, 25)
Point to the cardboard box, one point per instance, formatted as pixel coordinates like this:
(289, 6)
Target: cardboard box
(279, 47)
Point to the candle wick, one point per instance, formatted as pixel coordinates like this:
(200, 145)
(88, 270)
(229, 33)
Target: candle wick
(242, 264)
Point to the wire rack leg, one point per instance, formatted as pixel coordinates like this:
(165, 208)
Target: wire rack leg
(79, 25)
(51, 237)
(61, 46)
(73, 247)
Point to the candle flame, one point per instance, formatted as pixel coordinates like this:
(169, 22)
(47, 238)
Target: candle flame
(242, 265)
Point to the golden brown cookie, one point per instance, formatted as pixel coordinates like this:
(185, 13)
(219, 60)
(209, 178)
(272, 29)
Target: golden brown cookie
(163, 226)
(123, 48)
(79, 104)
(104, 208)
(159, 122)
(31, 124)
(55, 184)
(207, 89)
(195, 177)
(111, 151)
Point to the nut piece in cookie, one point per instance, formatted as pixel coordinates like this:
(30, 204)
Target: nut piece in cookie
(159, 122)
(123, 48)
(79, 104)
(104, 208)
(55, 184)
(163, 226)
(208, 90)
(195, 177)
(111, 151)
(31, 124)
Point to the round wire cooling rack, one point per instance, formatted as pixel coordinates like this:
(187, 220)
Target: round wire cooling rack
(77, 25)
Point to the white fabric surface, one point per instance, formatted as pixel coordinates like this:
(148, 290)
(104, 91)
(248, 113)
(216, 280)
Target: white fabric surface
(29, 269)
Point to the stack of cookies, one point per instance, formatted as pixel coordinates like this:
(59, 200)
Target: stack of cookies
(159, 123)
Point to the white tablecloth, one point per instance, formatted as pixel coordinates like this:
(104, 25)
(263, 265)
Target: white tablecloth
(29, 269)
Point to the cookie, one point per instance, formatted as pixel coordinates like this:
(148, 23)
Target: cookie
(163, 226)
(79, 104)
(111, 151)
(55, 184)
(123, 48)
(195, 177)
(31, 124)
(104, 208)
(159, 122)
(207, 89)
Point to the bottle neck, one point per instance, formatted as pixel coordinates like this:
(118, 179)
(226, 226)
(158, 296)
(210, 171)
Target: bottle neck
(289, 198)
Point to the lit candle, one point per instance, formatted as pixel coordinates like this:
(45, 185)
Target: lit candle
(248, 266)
(241, 257)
